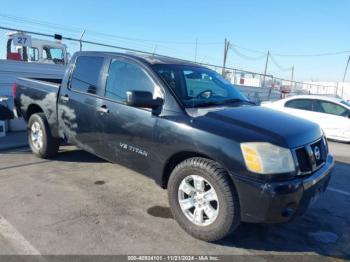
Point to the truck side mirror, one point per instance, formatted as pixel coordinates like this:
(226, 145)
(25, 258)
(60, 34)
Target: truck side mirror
(143, 99)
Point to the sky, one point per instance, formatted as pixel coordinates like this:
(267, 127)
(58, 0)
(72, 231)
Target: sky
(253, 27)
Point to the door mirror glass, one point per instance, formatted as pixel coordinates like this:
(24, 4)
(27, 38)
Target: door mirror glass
(143, 99)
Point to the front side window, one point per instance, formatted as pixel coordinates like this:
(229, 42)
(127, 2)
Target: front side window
(302, 104)
(86, 74)
(198, 86)
(33, 54)
(332, 108)
(125, 76)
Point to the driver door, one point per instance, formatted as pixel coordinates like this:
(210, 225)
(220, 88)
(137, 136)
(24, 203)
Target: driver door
(128, 131)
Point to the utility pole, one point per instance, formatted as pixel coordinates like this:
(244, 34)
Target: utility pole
(80, 42)
(346, 70)
(155, 49)
(195, 51)
(227, 44)
(265, 71)
(292, 78)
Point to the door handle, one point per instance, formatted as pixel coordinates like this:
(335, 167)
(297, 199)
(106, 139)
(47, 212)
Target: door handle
(103, 110)
(65, 98)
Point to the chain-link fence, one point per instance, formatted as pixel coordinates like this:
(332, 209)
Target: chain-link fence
(256, 86)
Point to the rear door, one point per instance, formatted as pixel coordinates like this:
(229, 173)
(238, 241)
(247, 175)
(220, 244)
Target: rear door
(80, 102)
(128, 131)
(334, 118)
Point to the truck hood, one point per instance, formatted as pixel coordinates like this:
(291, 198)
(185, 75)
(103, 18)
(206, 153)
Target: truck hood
(259, 124)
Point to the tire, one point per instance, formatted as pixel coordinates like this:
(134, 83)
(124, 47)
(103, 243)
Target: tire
(41, 142)
(207, 227)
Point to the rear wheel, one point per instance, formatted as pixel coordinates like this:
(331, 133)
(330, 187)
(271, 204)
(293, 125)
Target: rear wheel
(203, 199)
(41, 142)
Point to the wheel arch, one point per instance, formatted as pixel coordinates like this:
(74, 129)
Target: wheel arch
(176, 159)
(32, 109)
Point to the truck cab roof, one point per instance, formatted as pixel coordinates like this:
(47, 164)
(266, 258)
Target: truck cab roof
(145, 58)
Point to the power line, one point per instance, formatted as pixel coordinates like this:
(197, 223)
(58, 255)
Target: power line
(80, 40)
(38, 22)
(264, 56)
(273, 60)
(127, 49)
(292, 55)
(138, 44)
(248, 49)
(235, 50)
(315, 55)
(113, 45)
(79, 30)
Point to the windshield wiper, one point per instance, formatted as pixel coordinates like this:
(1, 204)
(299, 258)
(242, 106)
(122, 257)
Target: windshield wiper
(237, 100)
(207, 103)
(221, 102)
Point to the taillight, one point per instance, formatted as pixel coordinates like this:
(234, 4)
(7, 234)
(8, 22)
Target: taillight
(14, 90)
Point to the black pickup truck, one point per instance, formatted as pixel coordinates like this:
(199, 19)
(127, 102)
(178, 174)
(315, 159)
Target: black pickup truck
(223, 159)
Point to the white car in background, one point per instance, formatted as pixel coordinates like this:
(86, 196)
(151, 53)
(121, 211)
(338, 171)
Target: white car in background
(332, 114)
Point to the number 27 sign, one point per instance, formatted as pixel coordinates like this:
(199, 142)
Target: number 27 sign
(22, 40)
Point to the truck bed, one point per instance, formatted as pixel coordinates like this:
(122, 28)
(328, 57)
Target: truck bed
(11, 70)
(33, 94)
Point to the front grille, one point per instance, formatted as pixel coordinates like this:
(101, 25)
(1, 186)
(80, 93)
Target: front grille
(303, 160)
(312, 156)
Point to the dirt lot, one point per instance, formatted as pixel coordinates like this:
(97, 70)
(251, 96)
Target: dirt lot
(79, 204)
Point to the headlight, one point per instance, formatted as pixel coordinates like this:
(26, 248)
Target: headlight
(265, 158)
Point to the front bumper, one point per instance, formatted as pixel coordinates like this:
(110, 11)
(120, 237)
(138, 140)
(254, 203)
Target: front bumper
(279, 202)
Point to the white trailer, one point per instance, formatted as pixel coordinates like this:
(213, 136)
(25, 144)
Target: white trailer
(29, 57)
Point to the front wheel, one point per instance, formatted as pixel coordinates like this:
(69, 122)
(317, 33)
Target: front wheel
(41, 142)
(203, 199)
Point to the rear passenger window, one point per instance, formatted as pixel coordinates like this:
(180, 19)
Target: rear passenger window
(302, 104)
(87, 74)
(124, 76)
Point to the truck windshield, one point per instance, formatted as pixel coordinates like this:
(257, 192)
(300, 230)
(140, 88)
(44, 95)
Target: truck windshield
(198, 86)
(54, 54)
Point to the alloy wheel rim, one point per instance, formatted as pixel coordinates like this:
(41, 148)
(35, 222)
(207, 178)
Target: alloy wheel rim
(198, 200)
(36, 135)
